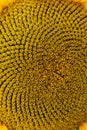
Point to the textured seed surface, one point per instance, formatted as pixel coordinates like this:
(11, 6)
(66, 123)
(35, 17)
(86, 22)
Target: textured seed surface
(43, 65)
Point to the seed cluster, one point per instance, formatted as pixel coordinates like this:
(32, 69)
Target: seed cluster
(43, 65)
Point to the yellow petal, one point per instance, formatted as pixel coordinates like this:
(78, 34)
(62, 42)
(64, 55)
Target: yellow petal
(83, 126)
(84, 2)
(5, 3)
(3, 127)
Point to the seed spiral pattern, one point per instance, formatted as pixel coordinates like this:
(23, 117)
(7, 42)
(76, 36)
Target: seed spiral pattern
(43, 65)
